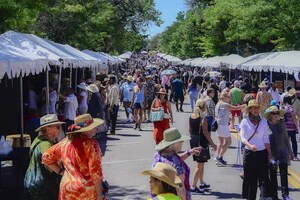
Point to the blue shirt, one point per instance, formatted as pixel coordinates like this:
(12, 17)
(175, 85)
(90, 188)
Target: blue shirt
(127, 91)
(178, 87)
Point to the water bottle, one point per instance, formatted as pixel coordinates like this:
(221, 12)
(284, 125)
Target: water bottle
(212, 152)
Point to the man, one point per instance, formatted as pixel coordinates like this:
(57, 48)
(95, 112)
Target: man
(52, 99)
(246, 86)
(150, 96)
(236, 98)
(288, 88)
(223, 84)
(295, 103)
(274, 92)
(178, 92)
(127, 93)
(70, 106)
(113, 102)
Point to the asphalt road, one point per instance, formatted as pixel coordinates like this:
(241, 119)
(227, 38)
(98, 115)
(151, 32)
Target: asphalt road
(130, 151)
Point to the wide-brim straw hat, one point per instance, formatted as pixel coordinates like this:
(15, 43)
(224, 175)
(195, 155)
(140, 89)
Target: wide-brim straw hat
(171, 136)
(93, 88)
(273, 109)
(164, 172)
(292, 92)
(130, 78)
(87, 123)
(162, 91)
(82, 86)
(252, 103)
(263, 85)
(48, 120)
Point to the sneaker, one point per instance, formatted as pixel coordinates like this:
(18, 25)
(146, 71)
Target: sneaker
(181, 110)
(220, 161)
(223, 161)
(286, 198)
(128, 120)
(197, 190)
(204, 186)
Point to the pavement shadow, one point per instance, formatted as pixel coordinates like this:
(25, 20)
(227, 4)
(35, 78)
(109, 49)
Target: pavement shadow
(129, 135)
(222, 195)
(117, 192)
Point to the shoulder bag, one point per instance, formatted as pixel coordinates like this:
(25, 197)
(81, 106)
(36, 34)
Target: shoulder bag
(215, 125)
(253, 133)
(157, 115)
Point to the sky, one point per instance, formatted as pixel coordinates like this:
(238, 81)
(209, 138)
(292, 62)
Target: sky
(169, 10)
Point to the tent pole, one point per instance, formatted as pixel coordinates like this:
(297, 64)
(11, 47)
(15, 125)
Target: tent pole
(286, 79)
(47, 91)
(260, 76)
(21, 111)
(271, 76)
(229, 77)
(71, 75)
(76, 72)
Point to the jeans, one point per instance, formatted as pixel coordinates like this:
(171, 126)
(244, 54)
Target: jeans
(283, 170)
(292, 135)
(193, 99)
(113, 118)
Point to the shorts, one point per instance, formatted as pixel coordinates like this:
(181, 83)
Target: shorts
(195, 142)
(181, 98)
(137, 106)
(223, 131)
(236, 112)
(126, 104)
(149, 101)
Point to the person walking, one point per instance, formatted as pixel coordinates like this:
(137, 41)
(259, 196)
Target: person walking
(163, 181)
(193, 90)
(222, 116)
(200, 137)
(40, 183)
(210, 107)
(178, 92)
(167, 152)
(127, 93)
(236, 98)
(113, 102)
(138, 102)
(161, 102)
(81, 157)
(281, 151)
(95, 106)
(149, 85)
(255, 136)
(70, 106)
(263, 98)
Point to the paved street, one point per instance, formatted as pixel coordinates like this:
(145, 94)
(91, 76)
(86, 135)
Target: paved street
(129, 152)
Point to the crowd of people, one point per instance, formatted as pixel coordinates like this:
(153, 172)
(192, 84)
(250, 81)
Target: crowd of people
(71, 168)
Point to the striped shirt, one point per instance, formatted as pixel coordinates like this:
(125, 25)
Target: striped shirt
(290, 125)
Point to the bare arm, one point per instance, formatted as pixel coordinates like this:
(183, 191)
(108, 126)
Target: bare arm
(206, 133)
(170, 111)
(181, 190)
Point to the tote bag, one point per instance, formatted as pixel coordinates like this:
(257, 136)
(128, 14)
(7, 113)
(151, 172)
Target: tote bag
(157, 115)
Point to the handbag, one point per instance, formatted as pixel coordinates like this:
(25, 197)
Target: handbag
(156, 115)
(215, 125)
(204, 154)
(105, 187)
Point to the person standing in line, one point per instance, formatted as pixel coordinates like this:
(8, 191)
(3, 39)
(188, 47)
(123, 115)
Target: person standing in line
(113, 102)
(199, 137)
(178, 92)
(32, 100)
(163, 181)
(81, 157)
(291, 123)
(138, 102)
(127, 93)
(274, 92)
(281, 151)
(257, 155)
(167, 152)
(70, 106)
(193, 90)
(40, 182)
(161, 102)
(82, 99)
(52, 99)
(222, 116)
(263, 98)
(95, 106)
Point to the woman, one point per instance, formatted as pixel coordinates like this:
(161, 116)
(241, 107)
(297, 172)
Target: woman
(161, 102)
(138, 102)
(263, 97)
(222, 112)
(200, 137)
(82, 99)
(95, 107)
(81, 157)
(291, 123)
(255, 137)
(281, 151)
(167, 152)
(40, 182)
(193, 90)
(210, 107)
(163, 181)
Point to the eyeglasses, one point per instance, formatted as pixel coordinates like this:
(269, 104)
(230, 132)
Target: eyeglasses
(86, 123)
(274, 113)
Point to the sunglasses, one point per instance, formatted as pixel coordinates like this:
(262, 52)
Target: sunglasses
(274, 113)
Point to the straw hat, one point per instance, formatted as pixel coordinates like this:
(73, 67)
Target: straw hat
(82, 85)
(273, 109)
(171, 136)
(48, 120)
(292, 92)
(93, 88)
(148, 77)
(252, 103)
(87, 123)
(262, 85)
(130, 78)
(162, 91)
(164, 172)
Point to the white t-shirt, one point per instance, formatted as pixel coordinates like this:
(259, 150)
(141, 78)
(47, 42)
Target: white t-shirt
(83, 104)
(71, 105)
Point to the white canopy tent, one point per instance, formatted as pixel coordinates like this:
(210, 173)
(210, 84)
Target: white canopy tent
(196, 62)
(217, 61)
(110, 58)
(126, 55)
(172, 59)
(186, 62)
